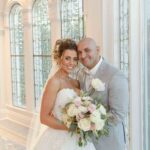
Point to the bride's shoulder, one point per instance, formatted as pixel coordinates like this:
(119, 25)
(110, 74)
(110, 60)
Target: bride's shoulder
(53, 82)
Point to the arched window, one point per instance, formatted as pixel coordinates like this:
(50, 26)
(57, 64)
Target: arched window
(72, 19)
(17, 56)
(124, 35)
(41, 45)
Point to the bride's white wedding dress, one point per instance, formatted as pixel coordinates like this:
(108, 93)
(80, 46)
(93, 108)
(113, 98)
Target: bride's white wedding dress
(52, 139)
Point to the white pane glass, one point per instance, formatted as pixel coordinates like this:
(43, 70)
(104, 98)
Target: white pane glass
(41, 46)
(72, 19)
(17, 57)
(124, 35)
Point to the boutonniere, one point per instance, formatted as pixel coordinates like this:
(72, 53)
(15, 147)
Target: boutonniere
(98, 85)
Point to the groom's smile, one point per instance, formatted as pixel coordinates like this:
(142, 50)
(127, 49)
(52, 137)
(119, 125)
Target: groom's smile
(88, 53)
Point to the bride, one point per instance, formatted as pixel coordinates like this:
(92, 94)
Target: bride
(58, 90)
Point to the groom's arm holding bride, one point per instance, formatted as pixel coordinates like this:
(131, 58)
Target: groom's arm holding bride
(118, 98)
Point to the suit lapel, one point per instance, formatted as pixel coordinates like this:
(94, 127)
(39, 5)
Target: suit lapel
(100, 75)
(101, 71)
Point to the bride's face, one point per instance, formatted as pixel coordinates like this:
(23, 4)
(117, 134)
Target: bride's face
(69, 60)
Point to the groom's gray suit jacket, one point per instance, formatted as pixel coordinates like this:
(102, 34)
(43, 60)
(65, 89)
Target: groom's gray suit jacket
(115, 97)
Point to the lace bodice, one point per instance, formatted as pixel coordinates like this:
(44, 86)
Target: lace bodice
(63, 97)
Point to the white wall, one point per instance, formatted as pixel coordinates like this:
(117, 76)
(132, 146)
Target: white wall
(93, 19)
(101, 23)
(135, 74)
(1, 62)
(110, 32)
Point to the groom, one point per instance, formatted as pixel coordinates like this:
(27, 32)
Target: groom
(115, 95)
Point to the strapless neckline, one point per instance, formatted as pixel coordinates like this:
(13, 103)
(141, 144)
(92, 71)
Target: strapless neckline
(66, 89)
(63, 97)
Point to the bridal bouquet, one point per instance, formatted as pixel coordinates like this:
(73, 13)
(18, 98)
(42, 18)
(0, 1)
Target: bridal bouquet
(85, 116)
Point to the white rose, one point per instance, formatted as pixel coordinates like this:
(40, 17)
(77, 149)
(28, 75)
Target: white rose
(72, 110)
(82, 109)
(77, 101)
(98, 85)
(84, 124)
(99, 125)
(95, 116)
(87, 103)
(91, 108)
(102, 110)
(87, 98)
(66, 119)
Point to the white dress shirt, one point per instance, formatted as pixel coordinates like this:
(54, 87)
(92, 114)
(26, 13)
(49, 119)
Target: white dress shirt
(90, 73)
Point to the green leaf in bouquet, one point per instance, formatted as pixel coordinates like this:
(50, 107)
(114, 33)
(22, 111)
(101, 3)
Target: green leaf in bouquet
(104, 117)
(81, 133)
(105, 131)
(83, 138)
(98, 105)
(81, 142)
(88, 136)
(73, 127)
(96, 134)
(90, 133)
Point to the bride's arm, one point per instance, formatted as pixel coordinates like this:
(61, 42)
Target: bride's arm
(48, 101)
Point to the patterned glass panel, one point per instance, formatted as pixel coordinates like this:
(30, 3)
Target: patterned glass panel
(72, 19)
(124, 35)
(124, 47)
(41, 46)
(17, 56)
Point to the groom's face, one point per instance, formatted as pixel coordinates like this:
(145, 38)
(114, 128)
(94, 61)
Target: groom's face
(88, 53)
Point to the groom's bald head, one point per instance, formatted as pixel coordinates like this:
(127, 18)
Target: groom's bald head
(87, 41)
(89, 53)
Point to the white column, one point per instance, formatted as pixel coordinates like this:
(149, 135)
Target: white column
(135, 68)
(1, 61)
(55, 22)
(93, 20)
(110, 31)
(28, 56)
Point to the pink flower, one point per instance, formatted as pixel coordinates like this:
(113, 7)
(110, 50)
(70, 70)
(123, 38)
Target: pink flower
(79, 116)
(91, 108)
(77, 101)
(92, 127)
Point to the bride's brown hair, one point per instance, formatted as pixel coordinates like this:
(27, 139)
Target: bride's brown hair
(61, 45)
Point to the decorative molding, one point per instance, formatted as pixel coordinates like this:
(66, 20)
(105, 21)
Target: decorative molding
(20, 115)
(27, 17)
(2, 32)
(1, 21)
(135, 78)
(54, 10)
(3, 113)
(10, 3)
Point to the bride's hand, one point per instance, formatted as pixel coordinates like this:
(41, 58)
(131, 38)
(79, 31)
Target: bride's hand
(61, 124)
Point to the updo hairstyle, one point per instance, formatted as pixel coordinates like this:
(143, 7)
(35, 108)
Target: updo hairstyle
(61, 45)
